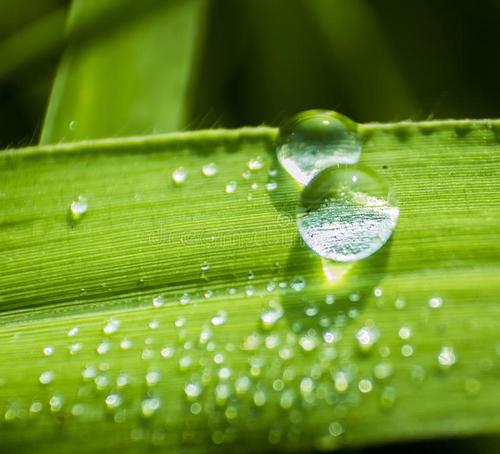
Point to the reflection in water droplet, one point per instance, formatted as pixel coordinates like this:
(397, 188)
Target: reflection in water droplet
(446, 357)
(314, 140)
(78, 208)
(150, 406)
(256, 163)
(231, 187)
(347, 213)
(46, 377)
(366, 337)
(435, 302)
(179, 175)
(158, 301)
(209, 170)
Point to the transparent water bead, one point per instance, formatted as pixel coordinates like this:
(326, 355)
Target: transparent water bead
(78, 208)
(347, 213)
(314, 140)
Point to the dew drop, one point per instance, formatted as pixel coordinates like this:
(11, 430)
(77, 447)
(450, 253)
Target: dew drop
(48, 350)
(219, 319)
(335, 429)
(46, 377)
(210, 169)
(298, 284)
(78, 208)
(125, 344)
(193, 390)
(73, 331)
(112, 326)
(271, 186)
(270, 317)
(404, 332)
(365, 385)
(367, 336)
(347, 213)
(446, 357)
(388, 397)
(435, 302)
(205, 266)
(185, 298)
(113, 400)
(256, 163)
(150, 406)
(179, 175)
(314, 140)
(407, 350)
(231, 187)
(158, 301)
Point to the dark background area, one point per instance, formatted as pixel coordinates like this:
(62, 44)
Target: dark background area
(263, 60)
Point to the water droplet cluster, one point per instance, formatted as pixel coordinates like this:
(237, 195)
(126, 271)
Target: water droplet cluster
(346, 212)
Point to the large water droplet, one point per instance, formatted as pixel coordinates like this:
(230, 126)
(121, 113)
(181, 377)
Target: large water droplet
(314, 140)
(347, 213)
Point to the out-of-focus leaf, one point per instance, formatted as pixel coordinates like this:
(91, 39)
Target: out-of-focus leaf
(133, 79)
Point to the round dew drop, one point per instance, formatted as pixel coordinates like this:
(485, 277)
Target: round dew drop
(347, 213)
(314, 140)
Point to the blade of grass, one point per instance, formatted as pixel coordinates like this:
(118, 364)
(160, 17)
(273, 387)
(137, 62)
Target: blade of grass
(199, 371)
(133, 79)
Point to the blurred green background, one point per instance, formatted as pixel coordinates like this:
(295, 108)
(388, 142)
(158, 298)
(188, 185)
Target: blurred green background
(259, 61)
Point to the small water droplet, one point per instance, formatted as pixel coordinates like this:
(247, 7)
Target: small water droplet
(205, 266)
(388, 397)
(404, 332)
(185, 298)
(446, 357)
(270, 317)
(435, 302)
(335, 429)
(210, 169)
(46, 377)
(113, 401)
(73, 124)
(231, 187)
(150, 406)
(298, 284)
(78, 208)
(48, 350)
(125, 344)
(365, 385)
(154, 324)
(73, 349)
(152, 377)
(179, 175)
(103, 348)
(219, 319)
(256, 163)
(73, 331)
(112, 326)
(314, 140)
(367, 336)
(400, 303)
(193, 390)
(407, 350)
(347, 213)
(382, 370)
(158, 301)
(271, 186)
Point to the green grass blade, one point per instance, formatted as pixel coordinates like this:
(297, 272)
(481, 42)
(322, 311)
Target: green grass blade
(125, 386)
(133, 79)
